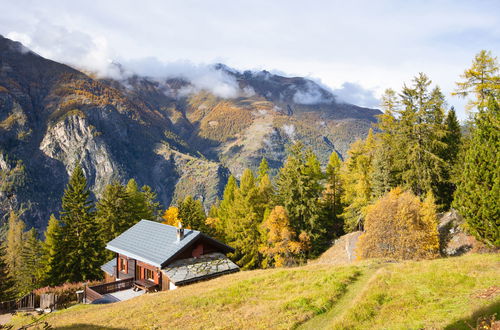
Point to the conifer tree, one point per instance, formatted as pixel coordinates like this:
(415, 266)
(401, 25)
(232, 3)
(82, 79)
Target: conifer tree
(78, 249)
(333, 194)
(357, 178)
(192, 214)
(419, 138)
(452, 143)
(171, 216)
(482, 80)
(478, 188)
(142, 203)
(280, 245)
(13, 250)
(263, 169)
(242, 223)
(49, 248)
(7, 283)
(31, 270)
(299, 191)
(116, 211)
(219, 220)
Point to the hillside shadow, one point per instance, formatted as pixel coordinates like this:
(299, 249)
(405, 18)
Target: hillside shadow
(471, 322)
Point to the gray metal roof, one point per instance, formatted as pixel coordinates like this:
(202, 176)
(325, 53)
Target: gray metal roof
(151, 242)
(194, 269)
(109, 267)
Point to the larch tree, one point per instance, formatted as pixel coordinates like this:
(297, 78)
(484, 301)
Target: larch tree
(171, 216)
(400, 226)
(49, 248)
(482, 80)
(478, 187)
(280, 245)
(356, 177)
(13, 250)
(242, 223)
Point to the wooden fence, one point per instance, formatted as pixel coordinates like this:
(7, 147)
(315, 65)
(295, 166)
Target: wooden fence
(95, 292)
(27, 303)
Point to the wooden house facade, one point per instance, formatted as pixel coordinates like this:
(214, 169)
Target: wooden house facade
(162, 257)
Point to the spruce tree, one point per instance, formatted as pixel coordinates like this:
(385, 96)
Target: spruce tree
(143, 203)
(78, 250)
(476, 197)
(116, 211)
(452, 143)
(333, 194)
(192, 214)
(31, 270)
(299, 191)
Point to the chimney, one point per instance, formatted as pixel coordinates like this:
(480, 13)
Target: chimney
(180, 232)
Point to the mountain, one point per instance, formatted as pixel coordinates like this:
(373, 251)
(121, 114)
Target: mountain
(166, 133)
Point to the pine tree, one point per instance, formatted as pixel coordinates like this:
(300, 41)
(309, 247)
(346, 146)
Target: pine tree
(13, 250)
(79, 251)
(7, 283)
(482, 80)
(219, 220)
(476, 197)
(31, 270)
(263, 169)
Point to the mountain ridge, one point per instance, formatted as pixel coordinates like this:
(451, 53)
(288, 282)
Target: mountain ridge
(166, 133)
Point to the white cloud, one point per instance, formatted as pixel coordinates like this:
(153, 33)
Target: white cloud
(354, 93)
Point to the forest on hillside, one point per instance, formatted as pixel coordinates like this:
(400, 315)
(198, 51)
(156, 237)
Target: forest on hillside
(417, 160)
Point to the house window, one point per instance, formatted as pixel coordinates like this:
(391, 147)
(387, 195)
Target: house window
(149, 275)
(122, 265)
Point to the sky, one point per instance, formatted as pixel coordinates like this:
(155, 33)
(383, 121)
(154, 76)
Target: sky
(356, 48)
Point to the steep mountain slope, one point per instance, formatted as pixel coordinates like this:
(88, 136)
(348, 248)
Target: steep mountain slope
(163, 132)
(52, 116)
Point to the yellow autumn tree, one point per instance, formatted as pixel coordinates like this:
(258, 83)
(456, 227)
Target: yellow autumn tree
(171, 216)
(400, 226)
(280, 247)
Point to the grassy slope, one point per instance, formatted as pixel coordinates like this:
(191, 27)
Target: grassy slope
(428, 294)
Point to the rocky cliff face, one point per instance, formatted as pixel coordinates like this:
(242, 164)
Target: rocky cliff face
(53, 117)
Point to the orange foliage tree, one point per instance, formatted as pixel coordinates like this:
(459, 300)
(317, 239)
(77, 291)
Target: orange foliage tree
(280, 246)
(400, 226)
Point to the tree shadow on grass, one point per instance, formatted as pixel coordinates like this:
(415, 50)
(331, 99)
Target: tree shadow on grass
(87, 326)
(471, 322)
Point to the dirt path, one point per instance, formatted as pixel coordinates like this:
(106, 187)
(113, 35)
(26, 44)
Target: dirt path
(4, 318)
(324, 320)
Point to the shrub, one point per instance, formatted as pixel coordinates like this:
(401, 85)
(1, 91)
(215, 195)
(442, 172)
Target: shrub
(400, 226)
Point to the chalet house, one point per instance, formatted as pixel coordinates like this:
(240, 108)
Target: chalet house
(157, 256)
